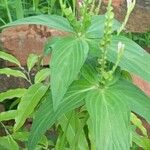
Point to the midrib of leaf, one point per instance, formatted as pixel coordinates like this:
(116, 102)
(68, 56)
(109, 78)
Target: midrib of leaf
(105, 104)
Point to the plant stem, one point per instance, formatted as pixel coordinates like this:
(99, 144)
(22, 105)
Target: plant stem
(8, 11)
(123, 24)
(106, 36)
(27, 74)
(98, 7)
(92, 7)
(2, 21)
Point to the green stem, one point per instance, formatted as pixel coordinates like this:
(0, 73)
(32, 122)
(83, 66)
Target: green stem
(106, 39)
(92, 7)
(8, 11)
(2, 21)
(27, 74)
(98, 7)
(74, 6)
(123, 24)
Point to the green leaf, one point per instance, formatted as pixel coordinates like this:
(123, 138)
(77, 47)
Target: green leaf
(89, 73)
(8, 115)
(96, 30)
(68, 56)
(46, 116)
(136, 99)
(10, 94)
(51, 21)
(71, 126)
(42, 75)
(31, 61)
(141, 141)
(11, 72)
(110, 120)
(138, 123)
(135, 58)
(8, 143)
(28, 103)
(9, 58)
(50, 43)
(21, 136)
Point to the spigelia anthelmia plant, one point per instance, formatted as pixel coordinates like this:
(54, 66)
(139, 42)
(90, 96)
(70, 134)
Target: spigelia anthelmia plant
(91, 102)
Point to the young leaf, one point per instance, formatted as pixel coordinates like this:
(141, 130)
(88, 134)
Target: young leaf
(42, 75)
(8, 115)
(11, 72)
(110, 120)
(10, 94)
(7, 143)
(135, 58)
(71, 126)
(68, 56)
(31, 61)
(28, 103)
(138, 123)
(89, 73)
(9, 58)
(96, 30)
(46, 116)
(141, 141)
(51, 21)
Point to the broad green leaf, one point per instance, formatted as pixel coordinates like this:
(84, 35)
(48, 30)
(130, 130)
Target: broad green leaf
(71, 125)
(8, 143)
(68, 56)
(141, 141)
(8, 57)
(8, 115)
(138, 123)
(135, 58)
(136, 99)
(11, 72)
(51, 21)
(42, 75)
(46, 116)
(96, 30)
(110, 118)
(10, 94)
(28, 103)
(31, 61)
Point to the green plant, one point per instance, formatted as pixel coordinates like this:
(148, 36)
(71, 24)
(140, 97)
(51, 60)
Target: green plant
(143, 39)
(90, 95)
(26, 99)
(12, 10)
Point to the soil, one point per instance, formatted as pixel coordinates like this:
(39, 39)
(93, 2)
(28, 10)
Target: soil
(23, 40)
